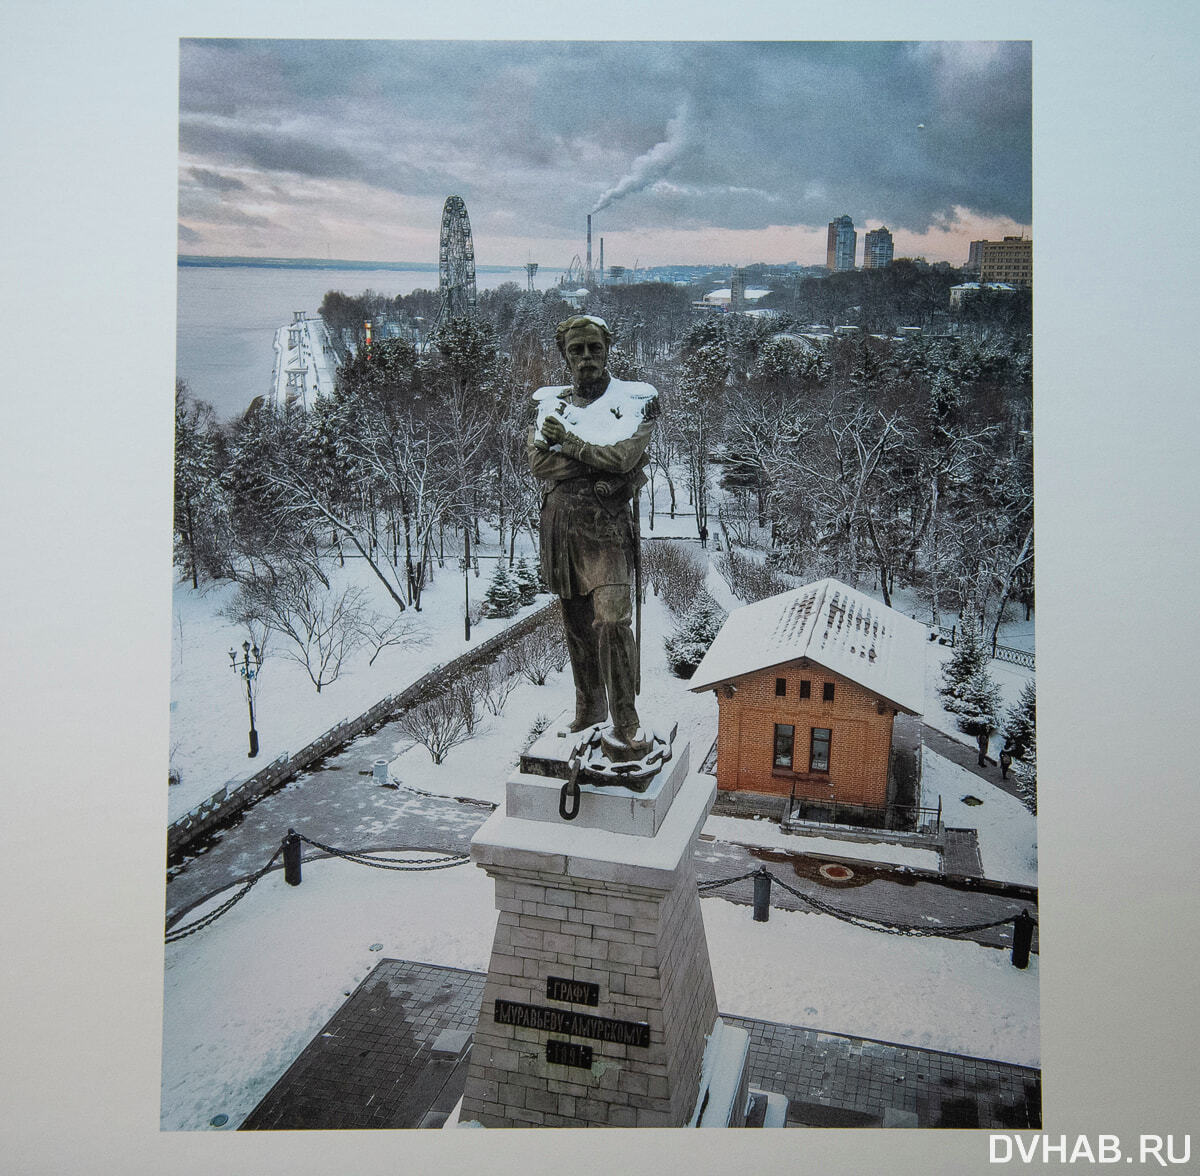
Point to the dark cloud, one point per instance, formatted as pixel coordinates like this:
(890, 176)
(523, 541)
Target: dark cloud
(731, 135)
(216, 181)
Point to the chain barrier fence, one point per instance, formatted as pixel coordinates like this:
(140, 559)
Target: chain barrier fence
(290, 849)
(369, 858)
(176, 933)
(1023, 922)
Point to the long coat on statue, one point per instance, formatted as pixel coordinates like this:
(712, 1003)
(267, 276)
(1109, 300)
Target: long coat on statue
(587, 534)
(588, 542)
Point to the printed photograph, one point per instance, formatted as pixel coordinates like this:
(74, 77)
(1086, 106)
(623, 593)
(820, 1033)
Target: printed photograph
(603, 677)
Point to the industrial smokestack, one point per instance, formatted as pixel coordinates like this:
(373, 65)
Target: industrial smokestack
(588, 271)
(602, 261)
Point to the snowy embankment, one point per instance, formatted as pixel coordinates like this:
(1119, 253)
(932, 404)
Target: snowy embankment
(245, 995)
(477, 768)
(209, 711)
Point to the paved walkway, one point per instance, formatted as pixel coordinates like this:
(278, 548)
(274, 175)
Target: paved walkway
(395, 1055)
(960, 855)
(966, 756)
(338, 803)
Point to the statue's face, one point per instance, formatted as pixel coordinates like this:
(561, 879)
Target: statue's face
(586, 353)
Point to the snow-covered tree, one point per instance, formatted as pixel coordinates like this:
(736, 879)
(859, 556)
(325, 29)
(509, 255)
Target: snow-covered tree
(675, 571)
(750, 579)
(528, 580)
(540, 651)
(693, 409)
(695, 632)
(976, 708)
(1021, 721)
(1025, 771)
(440, 722)
(503, 595)
(199, 504)
(322, 626)
(968, 656)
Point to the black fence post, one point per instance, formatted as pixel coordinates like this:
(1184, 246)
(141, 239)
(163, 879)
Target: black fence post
(1022, 939)
(762, 895)
(291, 858)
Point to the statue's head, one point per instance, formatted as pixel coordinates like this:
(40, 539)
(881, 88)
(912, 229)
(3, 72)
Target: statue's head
(584, 341)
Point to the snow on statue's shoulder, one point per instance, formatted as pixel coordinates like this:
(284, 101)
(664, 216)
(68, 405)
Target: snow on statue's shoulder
(612, 417)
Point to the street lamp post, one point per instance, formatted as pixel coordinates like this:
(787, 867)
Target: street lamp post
(250, 665)
(467, 579)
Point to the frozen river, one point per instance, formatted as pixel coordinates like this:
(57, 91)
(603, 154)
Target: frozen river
(227, 317)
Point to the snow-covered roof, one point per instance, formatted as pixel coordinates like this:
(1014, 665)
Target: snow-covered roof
(725, 294)
(831, 624)
(1005, 287)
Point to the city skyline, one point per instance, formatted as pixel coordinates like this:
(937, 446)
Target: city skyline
(695, 153)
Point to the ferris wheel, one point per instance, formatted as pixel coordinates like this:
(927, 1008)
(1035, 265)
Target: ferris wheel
(456, 258)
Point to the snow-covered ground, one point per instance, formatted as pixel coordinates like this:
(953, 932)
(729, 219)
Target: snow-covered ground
(471, 769)
(245, 995)
(209, 713)
(209, 717)
(1007, 829)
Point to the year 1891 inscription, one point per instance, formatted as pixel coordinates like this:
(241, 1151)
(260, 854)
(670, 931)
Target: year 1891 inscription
(569, 1053)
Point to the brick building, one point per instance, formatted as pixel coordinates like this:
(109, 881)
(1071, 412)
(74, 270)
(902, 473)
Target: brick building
(809, 685)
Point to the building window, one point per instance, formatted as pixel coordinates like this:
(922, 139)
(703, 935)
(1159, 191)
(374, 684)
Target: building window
(818, 760)
(780, 687)
(785, 737)
(827, 692)
(805, 688)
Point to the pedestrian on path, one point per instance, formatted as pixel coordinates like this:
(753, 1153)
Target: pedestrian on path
(982, 739)
(703, 536)
(1005, 763)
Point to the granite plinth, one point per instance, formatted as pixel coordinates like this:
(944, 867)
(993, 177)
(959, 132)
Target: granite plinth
(599, 998)
(534, 796)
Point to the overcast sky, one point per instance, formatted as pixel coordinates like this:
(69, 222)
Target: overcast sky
(724, 153)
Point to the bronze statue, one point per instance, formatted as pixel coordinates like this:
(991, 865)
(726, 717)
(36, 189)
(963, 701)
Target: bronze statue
(588, 446)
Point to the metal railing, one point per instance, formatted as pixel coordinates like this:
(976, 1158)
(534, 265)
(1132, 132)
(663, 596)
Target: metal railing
(1005, 653)
(900, 818)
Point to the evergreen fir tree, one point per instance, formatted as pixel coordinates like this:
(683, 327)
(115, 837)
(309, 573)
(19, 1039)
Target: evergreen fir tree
(694, 633)
(1025, 771)
(1020, 722)
(977, 704)
(968, 657)
(527, 581)
(503, 597)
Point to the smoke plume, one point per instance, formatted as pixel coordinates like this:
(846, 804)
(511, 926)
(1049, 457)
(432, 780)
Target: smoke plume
(653, 165)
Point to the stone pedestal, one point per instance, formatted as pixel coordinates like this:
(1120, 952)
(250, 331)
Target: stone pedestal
(599, 1000)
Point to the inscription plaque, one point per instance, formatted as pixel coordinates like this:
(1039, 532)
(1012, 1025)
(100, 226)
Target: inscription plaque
(569, 1053)
(572, 991)
(572, 1024)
